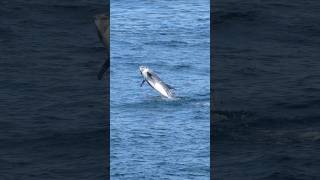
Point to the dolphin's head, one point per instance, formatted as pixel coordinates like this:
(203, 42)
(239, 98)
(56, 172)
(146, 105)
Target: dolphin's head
(142, 68)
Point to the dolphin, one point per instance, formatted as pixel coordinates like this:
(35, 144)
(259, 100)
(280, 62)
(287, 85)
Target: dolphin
(155, 82)
(102, 22)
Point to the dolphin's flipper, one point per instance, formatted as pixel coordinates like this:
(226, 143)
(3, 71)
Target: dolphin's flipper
(142, 83)
(100, 73)
(103, 69)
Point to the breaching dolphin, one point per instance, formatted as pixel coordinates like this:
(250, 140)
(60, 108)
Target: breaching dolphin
(155, 82)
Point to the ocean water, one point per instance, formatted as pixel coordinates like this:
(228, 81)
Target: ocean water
(52, 107)
(267, 89)
(151, 137)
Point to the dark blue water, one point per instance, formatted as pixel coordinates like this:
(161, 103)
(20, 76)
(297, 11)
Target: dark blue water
(51, 104)
(151, 137)
(267, 89)
(267, 84)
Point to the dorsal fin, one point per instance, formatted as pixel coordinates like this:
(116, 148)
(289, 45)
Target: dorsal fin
(170, 87)
(149, 74)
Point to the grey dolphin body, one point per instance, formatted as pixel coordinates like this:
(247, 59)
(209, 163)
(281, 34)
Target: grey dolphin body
(156, 83)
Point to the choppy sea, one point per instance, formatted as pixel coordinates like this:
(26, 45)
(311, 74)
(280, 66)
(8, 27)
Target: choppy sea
(52, 107)
(267, 89)
(152, 137)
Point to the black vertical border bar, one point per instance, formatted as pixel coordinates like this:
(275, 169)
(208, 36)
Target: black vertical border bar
(107, 98)
(212, 92)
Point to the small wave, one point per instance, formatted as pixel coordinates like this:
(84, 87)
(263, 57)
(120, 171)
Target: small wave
(182, 66)
(249, 71)
(246, 16)
(286, 176)
(171, 43)
(311, 136)
(69, 6)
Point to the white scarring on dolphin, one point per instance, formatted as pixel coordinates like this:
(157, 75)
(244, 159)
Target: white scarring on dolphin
(155, 82)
